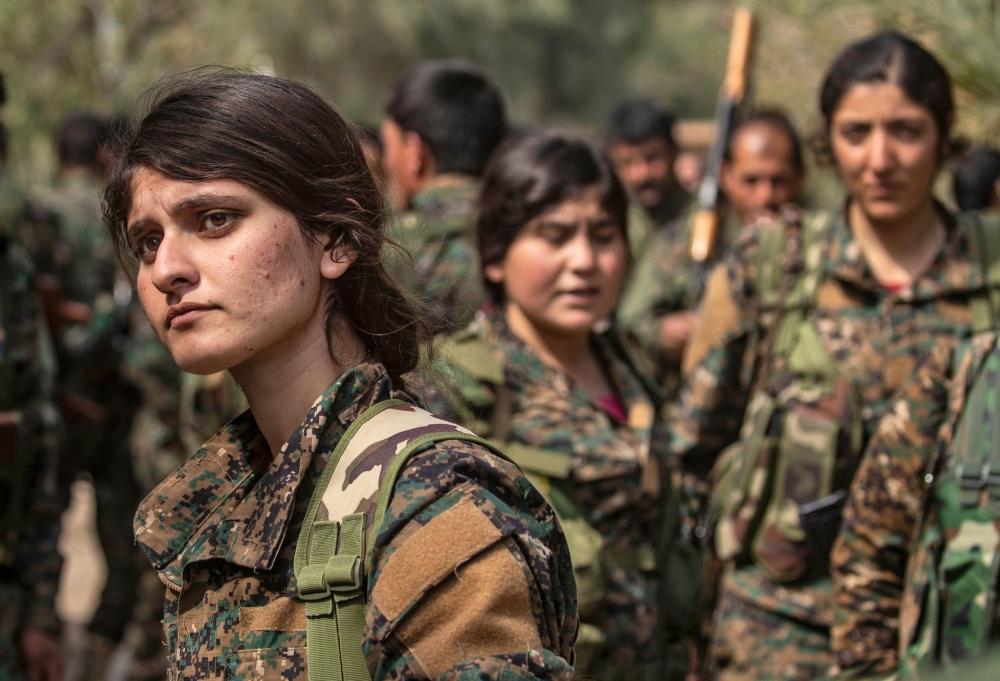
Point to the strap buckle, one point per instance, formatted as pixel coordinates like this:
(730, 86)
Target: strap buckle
(340, 574)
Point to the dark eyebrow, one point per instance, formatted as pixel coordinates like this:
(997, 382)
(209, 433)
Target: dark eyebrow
(193, 204)
(205, 200)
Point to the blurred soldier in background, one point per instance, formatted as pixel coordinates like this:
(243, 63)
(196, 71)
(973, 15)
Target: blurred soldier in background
(443, 120)
(642, 148)
(764, 167)
(763, 170)
(976, 180)
(90, 328)
(30, 498)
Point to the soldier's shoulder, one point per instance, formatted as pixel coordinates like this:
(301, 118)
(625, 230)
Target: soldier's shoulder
(465, 526)
(471, 351)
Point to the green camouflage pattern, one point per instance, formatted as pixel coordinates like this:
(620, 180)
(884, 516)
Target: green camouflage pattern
(665, 280)
(221, 533)
(31, 496)
(442, 270)
(643, 223)
(749, 642)
(600, 475)
(97, 401)
(916, 558)
(874, 337)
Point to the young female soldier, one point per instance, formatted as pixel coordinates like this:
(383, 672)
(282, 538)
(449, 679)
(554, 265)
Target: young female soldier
(804, 336)
(567, 402)
(256, 226)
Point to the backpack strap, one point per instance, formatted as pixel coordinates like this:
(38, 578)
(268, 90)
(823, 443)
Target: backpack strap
(341, 523)
(789, 286)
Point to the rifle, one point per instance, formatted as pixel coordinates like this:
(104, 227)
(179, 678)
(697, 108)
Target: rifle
(733, 95)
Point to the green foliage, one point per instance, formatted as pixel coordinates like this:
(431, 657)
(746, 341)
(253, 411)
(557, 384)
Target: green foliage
(562, 62)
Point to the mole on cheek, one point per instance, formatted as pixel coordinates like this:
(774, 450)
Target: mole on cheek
(302, 283)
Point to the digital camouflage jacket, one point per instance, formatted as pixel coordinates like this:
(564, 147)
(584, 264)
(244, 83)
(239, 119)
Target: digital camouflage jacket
(222, 533)
(875, 337)
(492, 382)
(878, 597)
(438, 232)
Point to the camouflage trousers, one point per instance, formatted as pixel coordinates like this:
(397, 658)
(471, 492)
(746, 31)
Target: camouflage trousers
(750, 643)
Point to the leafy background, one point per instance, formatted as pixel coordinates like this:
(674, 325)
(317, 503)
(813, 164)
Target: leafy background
(559, 62)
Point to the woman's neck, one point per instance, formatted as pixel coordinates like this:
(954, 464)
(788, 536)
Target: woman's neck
(898, 252)
(570, 353)
(282, 383)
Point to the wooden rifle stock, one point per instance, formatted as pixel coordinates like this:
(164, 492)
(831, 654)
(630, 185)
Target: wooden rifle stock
(734, 92)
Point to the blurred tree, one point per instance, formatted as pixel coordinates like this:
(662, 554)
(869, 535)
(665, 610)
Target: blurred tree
(564, 62)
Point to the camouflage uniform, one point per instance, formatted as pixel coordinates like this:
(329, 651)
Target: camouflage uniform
(177, 413)
(31, 499)
(642, 223)
(877, 607)
(437, 233)
(612, 477)
(96, 400)
(221, 532)
(665, 280)
(875, 338)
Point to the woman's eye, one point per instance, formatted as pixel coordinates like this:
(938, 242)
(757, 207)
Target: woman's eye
(605, 235)
(908, 133)
(552, 234)
(217, 220)
(853, 133)
(145, 247)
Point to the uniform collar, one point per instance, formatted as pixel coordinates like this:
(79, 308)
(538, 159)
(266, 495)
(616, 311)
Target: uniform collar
(953, 269)
(233, 500)
(522, 365)
(446, 188)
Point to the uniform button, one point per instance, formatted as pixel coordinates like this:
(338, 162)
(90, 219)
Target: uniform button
(928, 479)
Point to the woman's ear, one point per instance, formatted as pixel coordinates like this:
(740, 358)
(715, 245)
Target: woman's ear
(494, 273)
(335, 261)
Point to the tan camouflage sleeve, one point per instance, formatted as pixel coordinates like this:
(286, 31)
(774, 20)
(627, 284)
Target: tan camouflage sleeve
(881, 514)
(472, 575)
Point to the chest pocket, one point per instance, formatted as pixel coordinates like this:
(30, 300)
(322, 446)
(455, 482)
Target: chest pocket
(220, 637)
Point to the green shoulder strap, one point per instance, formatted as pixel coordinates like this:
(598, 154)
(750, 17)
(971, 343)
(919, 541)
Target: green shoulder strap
(331, 553)
(984, 244)
(793, 293)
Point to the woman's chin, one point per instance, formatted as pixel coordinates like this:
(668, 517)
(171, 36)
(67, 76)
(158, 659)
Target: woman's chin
(202, 363)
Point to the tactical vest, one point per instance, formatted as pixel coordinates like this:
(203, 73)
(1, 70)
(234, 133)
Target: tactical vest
(950, 608)
(786, 457)
(549, 471)
(779, 489)
(334, 551)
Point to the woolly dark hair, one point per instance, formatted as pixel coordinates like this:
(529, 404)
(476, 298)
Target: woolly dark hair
(530, 174)
(283, 140)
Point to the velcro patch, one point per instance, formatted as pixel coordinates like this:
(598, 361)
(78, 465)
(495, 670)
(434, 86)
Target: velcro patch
(281, 614)
(483, 610)
(430, 554)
